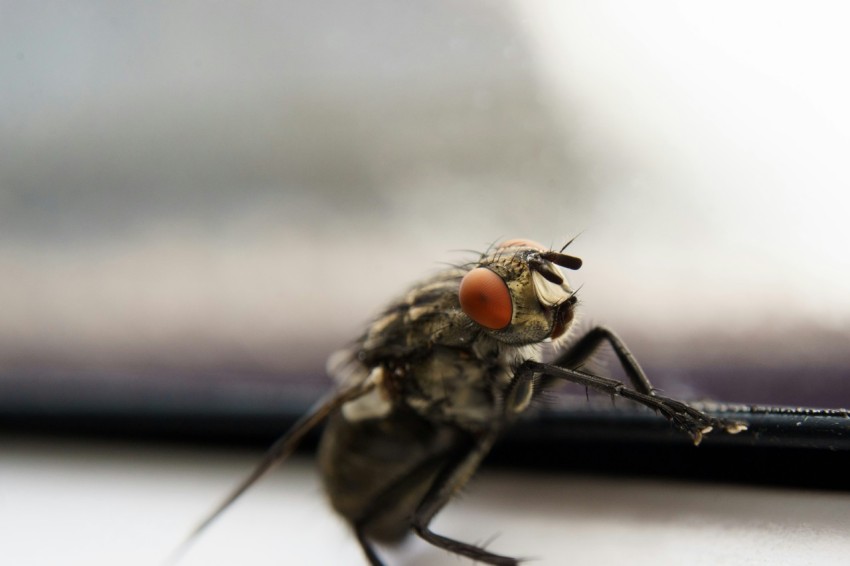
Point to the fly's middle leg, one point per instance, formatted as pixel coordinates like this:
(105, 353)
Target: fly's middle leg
(443, 488)
(395, 498)
(367, 547)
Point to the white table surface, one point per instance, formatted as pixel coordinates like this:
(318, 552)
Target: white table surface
(91, 503)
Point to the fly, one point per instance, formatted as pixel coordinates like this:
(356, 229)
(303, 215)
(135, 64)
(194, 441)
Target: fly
(432, 383)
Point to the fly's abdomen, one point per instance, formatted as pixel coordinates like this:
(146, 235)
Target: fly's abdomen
(376, 471)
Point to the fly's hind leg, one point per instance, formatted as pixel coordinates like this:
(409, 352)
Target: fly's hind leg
(276, 455)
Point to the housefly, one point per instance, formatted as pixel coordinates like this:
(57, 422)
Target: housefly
(434, 380)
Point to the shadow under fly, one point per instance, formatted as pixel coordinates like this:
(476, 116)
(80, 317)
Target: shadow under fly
(434, 380)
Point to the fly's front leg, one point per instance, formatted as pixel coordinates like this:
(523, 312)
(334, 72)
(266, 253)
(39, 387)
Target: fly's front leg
(444, 487)
(685, 417)
(584, 348)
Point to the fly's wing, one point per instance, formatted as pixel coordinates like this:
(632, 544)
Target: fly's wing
(345, 369)
(279, 452)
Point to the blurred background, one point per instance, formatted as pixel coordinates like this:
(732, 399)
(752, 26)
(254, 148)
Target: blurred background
(199, 202)
(228, 192)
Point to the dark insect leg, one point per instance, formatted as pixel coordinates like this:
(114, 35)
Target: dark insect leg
(685, 417)
(447, 483)
(367, 547)
(389, 497)
(582, 350)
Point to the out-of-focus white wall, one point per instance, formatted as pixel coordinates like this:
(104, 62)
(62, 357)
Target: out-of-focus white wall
(244, 185)
(727, 132)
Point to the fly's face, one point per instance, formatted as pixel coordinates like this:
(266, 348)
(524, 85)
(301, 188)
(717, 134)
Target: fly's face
(518, 294)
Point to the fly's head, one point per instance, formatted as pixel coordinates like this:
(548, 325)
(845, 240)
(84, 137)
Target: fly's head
(518, 294)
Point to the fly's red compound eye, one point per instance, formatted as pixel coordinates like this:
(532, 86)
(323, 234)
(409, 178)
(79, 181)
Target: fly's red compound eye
(485, 298)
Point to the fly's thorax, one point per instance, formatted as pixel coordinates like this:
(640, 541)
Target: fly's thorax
(458, 385)
(449, 361)
(428, 313)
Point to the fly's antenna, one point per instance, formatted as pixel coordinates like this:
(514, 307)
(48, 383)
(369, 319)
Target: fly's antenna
(275, 456)
(543, 268)
(564, 260)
